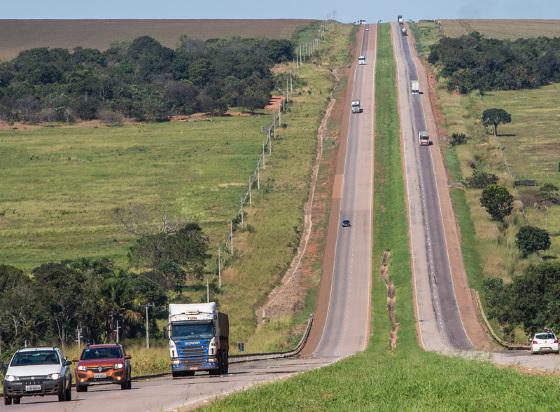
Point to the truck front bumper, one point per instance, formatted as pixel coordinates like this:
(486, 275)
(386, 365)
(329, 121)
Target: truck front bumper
(186, 364)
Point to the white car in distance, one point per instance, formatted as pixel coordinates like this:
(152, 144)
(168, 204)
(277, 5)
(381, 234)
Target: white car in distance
(544, 342)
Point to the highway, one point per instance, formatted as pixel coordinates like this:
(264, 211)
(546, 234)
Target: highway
(346, 326)
(437, 309)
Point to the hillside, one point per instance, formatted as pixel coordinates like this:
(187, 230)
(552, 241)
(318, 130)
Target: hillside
(18, 35)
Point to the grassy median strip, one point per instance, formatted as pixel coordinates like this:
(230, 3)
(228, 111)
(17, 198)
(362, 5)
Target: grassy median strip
(407, 379)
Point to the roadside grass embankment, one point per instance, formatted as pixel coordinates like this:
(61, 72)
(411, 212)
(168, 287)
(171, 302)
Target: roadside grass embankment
(525, 149)
(408, 378)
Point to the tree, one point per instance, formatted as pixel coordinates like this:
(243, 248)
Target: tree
(495, 117)
(497, 201)
(531, 239)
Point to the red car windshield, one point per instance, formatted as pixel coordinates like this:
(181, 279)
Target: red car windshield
(101, 353)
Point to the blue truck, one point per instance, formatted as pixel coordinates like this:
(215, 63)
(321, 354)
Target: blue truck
(198, 339)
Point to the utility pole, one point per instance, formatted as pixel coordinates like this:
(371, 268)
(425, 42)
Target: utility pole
(146, 306)
(250, 190)
(117, 330)
(220, 267)
(231, 236)
(241, 214)
(79, 337)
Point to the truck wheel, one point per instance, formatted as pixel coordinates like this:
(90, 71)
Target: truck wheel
(7, 400)
(17, 400)
(176, 374)
(81, 388)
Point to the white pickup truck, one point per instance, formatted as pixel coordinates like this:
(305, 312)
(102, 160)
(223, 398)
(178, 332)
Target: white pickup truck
(356, 107)
(37, 372)
(423, 138)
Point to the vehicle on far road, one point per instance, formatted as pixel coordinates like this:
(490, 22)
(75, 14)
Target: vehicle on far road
(544, 342)
(346, 223)
(198, 339)
(403, 31)
(415, 87)
(103, 364)
(356, 107)
(362, 60)
(37, 372)
(423, 138)
(400, 19)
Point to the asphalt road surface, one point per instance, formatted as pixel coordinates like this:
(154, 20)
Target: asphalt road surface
(347, 323)
(436, 272)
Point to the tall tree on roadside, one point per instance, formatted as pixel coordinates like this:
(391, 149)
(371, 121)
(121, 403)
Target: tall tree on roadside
(497, 201)
(495, 117)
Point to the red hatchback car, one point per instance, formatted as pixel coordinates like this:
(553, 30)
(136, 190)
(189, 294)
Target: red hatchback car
(103, 364)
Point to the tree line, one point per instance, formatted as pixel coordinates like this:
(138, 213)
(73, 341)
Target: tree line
(473, 62)
(48, 305)
(142, 80)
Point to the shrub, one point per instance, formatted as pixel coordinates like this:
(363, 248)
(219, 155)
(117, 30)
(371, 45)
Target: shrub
(458, 138)
(531, 239)
(481, 179)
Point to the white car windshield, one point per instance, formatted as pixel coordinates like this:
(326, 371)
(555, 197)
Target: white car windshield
(545, 336)
(35, 358)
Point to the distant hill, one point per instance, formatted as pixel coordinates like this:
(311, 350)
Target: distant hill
(18, 35)
(502, 29)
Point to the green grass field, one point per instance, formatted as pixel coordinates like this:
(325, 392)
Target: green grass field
(407, 379)
(60, 185)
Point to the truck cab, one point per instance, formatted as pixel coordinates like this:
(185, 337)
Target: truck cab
(361, 60)
(356, 107)
(415, 87)
(400, 19)
(198, 339)
(423, 138)
(403, 31)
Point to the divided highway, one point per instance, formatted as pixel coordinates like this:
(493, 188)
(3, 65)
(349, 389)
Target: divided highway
(346, 326)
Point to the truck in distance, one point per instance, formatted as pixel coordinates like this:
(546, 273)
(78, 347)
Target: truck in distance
(423, 138)
(361, 60)
(400, 19)
(415, 87)
(403, 31)
(356, 107)
(198, 339)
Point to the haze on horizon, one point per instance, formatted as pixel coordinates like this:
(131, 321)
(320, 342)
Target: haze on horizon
(267, 9)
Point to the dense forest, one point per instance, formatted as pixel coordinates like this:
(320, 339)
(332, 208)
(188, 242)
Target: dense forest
(142, 80)
(473, 62)
(50, 304)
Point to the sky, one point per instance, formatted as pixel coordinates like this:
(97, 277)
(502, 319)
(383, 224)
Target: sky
(346, 11)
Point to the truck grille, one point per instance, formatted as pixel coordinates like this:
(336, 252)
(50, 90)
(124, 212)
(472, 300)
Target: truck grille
(193, 355)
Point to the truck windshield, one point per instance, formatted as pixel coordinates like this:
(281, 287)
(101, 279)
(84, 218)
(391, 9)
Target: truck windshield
(35, 358)
(192, 330)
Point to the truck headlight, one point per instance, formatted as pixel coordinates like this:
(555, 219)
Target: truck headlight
(11, 378)
(54, 376)
(118, 366)
(82, 368)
